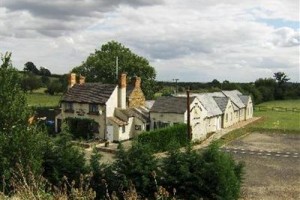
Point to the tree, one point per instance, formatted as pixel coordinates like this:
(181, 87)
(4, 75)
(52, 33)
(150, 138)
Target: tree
(63, 158)
(6, 62)
(13, 105)
(280, 90)
(135, 166)
(210, 174)
(44, 72)
(30, 82)
(215, 83)
(54, 87)
(30, 67)
(281, 78)
(20, 143)
(101, 66)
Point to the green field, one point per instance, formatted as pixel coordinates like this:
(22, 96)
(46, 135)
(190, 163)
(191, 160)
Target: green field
(273, 121)
(42, 100)
(284, 119)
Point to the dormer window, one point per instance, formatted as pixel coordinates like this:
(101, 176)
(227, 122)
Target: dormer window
(69, 107)
(93, 109)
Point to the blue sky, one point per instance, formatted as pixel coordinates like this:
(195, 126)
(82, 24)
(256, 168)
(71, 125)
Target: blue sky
(201, 40)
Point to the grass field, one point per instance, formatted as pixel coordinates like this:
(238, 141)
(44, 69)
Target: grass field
(42, 99)
(281, 121)
(271, 121)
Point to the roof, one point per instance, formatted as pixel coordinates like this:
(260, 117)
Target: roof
(234, 96)
(209, 104)
(222, 102)
(89, 93)
(149, 103)
(117, 121)
(244, 99)
(171, 104)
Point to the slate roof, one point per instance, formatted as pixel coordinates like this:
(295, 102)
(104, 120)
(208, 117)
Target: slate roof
(89, 93)
(117, 121)
(209, 104)
(141, 113)
(222, 102)
(244, 98)
(234, 96)
(171, 104)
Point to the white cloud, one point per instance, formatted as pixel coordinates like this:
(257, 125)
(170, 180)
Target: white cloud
(190, 40)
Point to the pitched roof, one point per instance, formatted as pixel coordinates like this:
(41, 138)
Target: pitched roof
(222, 102)
(89, 93)
(234, 97)
(171, 104)
(244, 98)
(209, 104)
(117, 121)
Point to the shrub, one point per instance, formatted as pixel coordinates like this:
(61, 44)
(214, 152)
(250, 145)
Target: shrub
(163, 139)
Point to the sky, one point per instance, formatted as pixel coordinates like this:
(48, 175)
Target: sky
(189, 40)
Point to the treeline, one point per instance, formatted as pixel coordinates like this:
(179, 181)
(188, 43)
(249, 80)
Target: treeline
(262, 90)
(33, 78)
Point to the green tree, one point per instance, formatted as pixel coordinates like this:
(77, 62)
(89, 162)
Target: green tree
(6, 62)
(30, 67)
(63, 159)
(54, 87)
(210, 174)
(30, 82)
(135, 166)
(101, 66)
(20, 143)
(13, 105)
(44, 71)
(281, 80)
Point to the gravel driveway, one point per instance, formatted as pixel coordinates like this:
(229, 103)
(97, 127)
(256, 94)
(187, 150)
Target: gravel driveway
(272, 165)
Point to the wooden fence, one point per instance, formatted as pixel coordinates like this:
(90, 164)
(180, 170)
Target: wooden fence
(278, 109)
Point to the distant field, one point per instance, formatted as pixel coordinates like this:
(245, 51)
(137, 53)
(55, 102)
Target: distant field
(42, 99)
(283, 103)
(285, 121)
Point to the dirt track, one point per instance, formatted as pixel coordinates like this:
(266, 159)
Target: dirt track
(272, 165)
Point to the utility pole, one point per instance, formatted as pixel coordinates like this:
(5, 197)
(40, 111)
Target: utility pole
(117, 68)
(189, 132)
(176, 80)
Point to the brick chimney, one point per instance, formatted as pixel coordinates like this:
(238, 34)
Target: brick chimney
(122, 91)
(81, 79)
(71, 80)
(137, 82)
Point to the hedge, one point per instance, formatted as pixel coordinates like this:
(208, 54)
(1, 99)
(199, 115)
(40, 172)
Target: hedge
(164, 139)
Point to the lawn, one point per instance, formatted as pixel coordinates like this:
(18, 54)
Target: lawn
(273, 121)
(279, 119)
(42, 100)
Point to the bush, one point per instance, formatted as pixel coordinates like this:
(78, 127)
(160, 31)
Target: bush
(211, 174)
(164, 139)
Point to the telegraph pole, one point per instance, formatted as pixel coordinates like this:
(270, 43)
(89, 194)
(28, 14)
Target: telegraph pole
(176, 80)
(188, 114)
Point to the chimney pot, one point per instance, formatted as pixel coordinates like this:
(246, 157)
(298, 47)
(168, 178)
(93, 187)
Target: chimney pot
(122, 80)
(137, 82)
(81, 79)
(72, 80)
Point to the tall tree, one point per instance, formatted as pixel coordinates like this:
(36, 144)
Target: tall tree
(281, 78)
(30, 67)
(280, 90)
(101, 66)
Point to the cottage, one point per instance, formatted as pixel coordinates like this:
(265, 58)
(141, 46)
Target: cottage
(217, 110)
(167, 111)
(117, 112)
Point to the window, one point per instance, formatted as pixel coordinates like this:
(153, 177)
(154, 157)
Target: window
(69, 107)
(94, 127)
(138, 127)
(226, 118)
(123, 129)
(93, 108)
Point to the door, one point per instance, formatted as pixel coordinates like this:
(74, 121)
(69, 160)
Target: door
(110, 133)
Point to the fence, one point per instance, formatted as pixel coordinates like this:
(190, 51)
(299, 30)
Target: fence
(277, 109)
